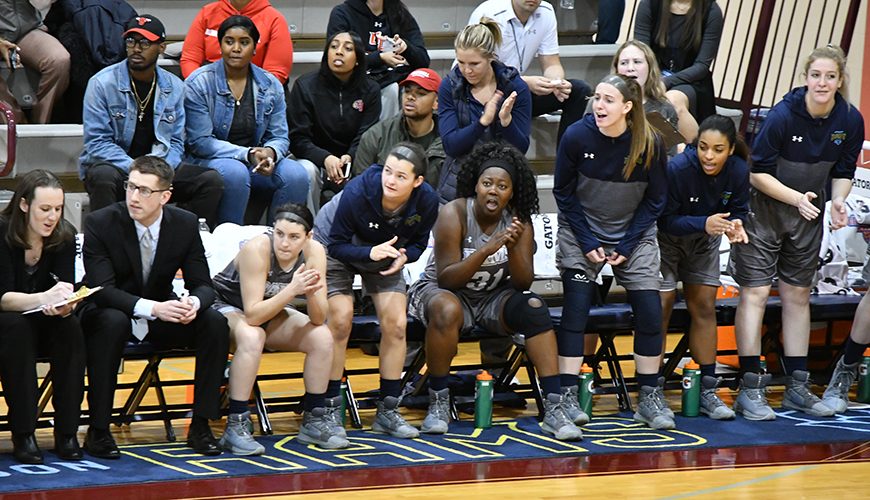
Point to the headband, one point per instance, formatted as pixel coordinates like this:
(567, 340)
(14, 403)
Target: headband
(292, 217)
(502, 164)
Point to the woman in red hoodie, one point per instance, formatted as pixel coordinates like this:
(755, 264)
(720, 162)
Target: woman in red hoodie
(274, 51)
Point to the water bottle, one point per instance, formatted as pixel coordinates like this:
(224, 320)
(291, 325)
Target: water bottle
(586, 390)
(483, 390)
(342, 409)
(763, 362)
(205, 236)
(566, 4)
(691, 389)
(864, 378)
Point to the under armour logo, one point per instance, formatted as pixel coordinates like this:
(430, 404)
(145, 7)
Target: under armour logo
(580, 278)
(589, 155)
(373, 225)
(379, 24)
(694, 199)
(142, 20)
(468, 239)
(797, 138)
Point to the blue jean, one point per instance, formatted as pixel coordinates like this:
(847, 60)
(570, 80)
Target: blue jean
(287, 184)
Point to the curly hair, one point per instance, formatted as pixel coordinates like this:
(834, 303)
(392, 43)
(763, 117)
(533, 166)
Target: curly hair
(524, 202)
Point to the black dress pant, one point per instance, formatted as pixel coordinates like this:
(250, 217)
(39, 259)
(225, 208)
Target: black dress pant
(573, 108)
(194, 188)
(107, 332)
(22, 339)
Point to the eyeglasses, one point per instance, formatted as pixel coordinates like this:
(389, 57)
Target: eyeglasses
(143, 43)
(144, 192)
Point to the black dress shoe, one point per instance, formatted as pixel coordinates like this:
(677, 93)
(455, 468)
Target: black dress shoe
(100, 443)
(25, 449)
(200, 438)
(66, 446)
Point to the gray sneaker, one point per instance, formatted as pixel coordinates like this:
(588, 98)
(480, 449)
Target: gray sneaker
(652, 407)
(389, 421)
(711, 405)
(836, 396)
(333, 413)
(571, 405)
(438, 418)
(556, 423)
(237, 438)
(317, 429)
(798, 396)
(751, 401)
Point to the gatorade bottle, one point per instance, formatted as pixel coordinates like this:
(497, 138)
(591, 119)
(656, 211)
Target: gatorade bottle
(864, 378)
(691, 389)
(342, 410)
(586, 390)
(483, 400)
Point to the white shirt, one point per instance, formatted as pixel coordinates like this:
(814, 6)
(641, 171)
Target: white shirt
(521, 43)
(144, 307)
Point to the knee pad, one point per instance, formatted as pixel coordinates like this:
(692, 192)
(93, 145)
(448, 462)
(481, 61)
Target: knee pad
(647, 308)
(526, 313)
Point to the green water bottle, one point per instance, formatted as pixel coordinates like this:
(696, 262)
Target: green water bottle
(586, 390)
(864, 378)
(342, 410)
(483, 390)
(691, 389)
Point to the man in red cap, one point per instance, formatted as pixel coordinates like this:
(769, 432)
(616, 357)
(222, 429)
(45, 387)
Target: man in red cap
(417, 124)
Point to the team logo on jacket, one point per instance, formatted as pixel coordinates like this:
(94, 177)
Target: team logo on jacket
(410, 221)
(725, 197)
(359, 105)
(838, 137)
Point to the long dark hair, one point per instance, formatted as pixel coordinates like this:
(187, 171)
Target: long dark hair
(358, 48)
(726, 127)
(694, 23)
(398, 16)
(16, 219)
(524, 202)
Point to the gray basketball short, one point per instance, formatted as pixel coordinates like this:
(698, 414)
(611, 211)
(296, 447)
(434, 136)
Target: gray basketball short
(781, 244)
(339, 278)
(692, 259)
(484, 313)
(640, 272)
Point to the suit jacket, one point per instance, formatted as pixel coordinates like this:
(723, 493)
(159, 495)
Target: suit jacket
(112, 258)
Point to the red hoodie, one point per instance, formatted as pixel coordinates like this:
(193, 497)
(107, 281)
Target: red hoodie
(274, 51)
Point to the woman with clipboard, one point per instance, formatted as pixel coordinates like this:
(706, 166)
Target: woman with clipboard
(37, 255)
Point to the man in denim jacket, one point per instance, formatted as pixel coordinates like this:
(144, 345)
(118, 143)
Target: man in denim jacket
(133, 108)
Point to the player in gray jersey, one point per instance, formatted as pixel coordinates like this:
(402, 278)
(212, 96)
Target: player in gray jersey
(254, 293)
(479, 275)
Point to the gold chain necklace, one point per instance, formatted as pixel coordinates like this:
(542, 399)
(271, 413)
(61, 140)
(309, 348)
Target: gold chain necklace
(143, 103)
(237, 99)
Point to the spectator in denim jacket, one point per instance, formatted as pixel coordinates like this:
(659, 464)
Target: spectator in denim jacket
(237, 126)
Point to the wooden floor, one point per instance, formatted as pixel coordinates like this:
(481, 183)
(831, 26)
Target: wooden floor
(832, 471)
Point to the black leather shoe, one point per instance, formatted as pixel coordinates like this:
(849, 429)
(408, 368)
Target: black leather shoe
(200, 438)
(66, 446)
(100, 443)
(25, 449)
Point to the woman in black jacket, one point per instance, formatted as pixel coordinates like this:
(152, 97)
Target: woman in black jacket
(328, 111)
(37, 262)
(392, 39)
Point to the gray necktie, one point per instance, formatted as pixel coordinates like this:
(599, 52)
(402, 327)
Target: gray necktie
(146, 249)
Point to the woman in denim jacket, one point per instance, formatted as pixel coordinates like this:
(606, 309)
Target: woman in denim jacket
(236, 124)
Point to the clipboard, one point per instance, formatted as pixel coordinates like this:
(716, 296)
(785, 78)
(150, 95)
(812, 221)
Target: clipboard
(668, 131)
(80, 295)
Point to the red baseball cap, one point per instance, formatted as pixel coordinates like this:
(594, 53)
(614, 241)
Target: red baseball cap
(425, 78)
(148, 26)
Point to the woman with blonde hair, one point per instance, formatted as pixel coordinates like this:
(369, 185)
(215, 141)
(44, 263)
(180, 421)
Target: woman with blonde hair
(480, 100)
(811, 137)
(610, 186)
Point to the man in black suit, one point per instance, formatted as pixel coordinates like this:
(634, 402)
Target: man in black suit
(133, 251)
